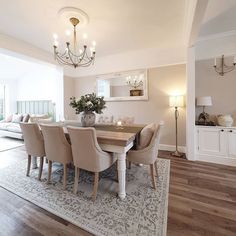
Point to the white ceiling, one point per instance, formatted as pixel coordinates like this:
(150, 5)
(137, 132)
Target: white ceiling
(220, 17)
(116, 25)
(13, 68)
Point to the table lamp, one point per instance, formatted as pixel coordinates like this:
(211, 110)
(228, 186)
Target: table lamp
(176, 101)
(204, 102)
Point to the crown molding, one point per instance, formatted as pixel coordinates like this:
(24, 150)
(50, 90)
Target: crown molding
(216, 36)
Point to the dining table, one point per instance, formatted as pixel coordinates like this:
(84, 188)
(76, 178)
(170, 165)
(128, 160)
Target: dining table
(118, 140)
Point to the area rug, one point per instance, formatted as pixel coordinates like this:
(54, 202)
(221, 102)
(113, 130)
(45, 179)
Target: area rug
(143, 212)
(9, 143)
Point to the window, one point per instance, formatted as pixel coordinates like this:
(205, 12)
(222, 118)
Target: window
(2, 101)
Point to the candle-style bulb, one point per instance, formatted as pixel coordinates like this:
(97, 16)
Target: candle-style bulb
(67, 32)
(55, 36)
(56, 43)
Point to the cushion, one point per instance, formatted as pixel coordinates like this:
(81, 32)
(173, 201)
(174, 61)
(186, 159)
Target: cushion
(45, 121)
(35, 118)
(146, 136)
(26, 118)
(14, 127)
(17, 118)
(9, 118)
(3, 126)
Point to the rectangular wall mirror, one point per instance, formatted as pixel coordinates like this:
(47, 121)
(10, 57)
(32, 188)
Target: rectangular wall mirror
(123, 86)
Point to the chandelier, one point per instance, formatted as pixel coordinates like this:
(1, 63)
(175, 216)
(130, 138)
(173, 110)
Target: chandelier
(76, 57)
(223, 68)
(134, 81)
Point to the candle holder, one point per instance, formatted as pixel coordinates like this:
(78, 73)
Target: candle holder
(119, 125)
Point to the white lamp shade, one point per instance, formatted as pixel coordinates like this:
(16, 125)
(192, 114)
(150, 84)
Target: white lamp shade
(204, 101)
(176, 101)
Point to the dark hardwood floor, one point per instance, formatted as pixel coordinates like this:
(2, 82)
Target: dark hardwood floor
(202, 201)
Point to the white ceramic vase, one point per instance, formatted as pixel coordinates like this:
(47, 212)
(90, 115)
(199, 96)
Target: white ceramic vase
(225, 120)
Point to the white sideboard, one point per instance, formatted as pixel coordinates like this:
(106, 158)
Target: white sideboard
(216, 144)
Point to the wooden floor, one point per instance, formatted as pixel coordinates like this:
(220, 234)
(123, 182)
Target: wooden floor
(202, 201)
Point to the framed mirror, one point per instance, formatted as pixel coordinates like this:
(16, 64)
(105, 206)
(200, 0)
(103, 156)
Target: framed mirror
(123, 86)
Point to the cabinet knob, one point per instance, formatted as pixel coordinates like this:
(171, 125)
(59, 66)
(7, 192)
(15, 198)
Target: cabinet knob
(231, 131)
(222, 130)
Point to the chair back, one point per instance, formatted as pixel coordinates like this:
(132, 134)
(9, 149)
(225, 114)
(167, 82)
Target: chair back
(86, 151)
(57, 147)
(33, 139)
(154, 144)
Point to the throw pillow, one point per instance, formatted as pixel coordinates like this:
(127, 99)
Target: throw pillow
(35, 118)
(16, 118)
(146, 136)
(26, 118)
(9, 118)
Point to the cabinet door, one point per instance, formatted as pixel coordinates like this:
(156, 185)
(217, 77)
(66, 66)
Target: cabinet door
(232, 143)
(212, 141)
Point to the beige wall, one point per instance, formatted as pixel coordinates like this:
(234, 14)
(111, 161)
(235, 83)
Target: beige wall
(69, 91)
(221, 89)
(163, 81)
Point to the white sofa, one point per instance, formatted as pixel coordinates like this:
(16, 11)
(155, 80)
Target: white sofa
(13, 130)
(10, 129)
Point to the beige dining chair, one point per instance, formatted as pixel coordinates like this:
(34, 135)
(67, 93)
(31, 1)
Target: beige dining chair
(88, 155)
(148, 155)
(57, 149)
(34, 145)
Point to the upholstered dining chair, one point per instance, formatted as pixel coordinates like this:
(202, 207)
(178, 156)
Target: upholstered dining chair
(88, 155)
(148, 151)
(34, 144)
(57, 149)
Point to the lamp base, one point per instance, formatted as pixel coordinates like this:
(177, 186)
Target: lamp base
(177, 154)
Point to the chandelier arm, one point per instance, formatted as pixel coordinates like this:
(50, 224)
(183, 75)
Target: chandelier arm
(63, 63)
(61, 55)
(86, 63)
(71, 58)
(61, 60)
(225, 69)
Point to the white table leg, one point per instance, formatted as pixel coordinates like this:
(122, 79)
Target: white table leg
(121, 174)
(34, 163)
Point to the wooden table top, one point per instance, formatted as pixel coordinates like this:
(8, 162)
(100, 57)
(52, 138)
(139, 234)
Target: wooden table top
(110, 134)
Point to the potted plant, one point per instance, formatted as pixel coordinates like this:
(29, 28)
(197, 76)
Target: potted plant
(88, 104)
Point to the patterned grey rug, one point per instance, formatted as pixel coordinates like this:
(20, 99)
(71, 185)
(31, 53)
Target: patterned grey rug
(143, 212)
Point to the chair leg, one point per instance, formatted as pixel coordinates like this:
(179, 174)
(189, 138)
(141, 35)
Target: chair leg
(117, 177)
(76, 180)
(40, 168)
(49, 171)
(46, 160)
(156, 168)
(129, 164)
(153, 176)
(95, 186)
(65, 177)
(28, 165)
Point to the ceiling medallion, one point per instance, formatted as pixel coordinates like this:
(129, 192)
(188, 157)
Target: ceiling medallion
(75, 57)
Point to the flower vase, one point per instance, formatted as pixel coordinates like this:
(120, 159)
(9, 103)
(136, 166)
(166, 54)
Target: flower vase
(88, 119)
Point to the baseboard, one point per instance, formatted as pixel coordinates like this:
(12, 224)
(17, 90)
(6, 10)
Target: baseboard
(166, 147)
(216, 159)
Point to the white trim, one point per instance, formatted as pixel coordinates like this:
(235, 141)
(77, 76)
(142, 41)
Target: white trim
(171, 148)
(216, 36)
(190, 105)
(216, 159)
(190, 7)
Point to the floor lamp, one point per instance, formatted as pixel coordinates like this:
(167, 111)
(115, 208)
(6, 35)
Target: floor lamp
(176, 102)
